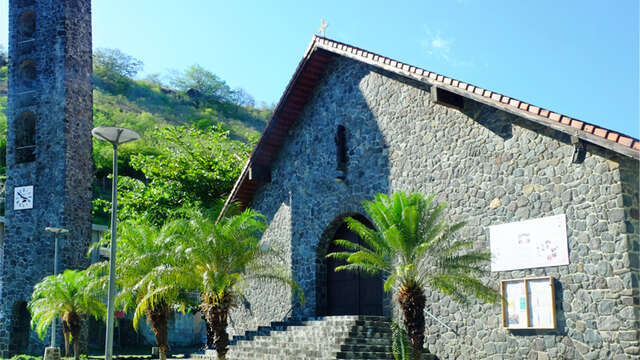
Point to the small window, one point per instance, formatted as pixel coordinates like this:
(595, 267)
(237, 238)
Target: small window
(26, 137)
(27, 73)
(341, 148)
(27, 25)
(447, 98)
(341, 153)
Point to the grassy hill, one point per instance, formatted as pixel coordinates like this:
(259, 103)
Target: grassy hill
(142, 105)
(146, 106)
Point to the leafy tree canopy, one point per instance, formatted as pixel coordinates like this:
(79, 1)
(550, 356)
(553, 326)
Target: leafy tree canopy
(206, 84)
(116, 62)
(218, 259)
(147, 285)
(112, 69)
(69, 296)
(195, 168)
(243, 98)
(3, 56)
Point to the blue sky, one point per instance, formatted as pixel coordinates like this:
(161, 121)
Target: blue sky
(575, 57)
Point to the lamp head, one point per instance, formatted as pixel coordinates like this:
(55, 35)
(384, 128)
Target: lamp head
(56, 230)
(114, 134)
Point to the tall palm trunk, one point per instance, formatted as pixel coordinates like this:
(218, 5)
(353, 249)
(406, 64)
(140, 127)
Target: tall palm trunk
(71, 325)
(412, 302)
(159, 319)
(209, 344)
(66, 333)
(216, 314)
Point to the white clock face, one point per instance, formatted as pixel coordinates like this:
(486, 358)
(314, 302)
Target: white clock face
(23, 197)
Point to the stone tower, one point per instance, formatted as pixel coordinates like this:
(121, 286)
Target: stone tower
(49, 161)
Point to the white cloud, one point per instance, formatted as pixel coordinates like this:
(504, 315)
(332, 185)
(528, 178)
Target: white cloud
(440, 43)
(440, 46)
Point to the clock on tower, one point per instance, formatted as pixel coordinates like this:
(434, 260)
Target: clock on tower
(23, 197)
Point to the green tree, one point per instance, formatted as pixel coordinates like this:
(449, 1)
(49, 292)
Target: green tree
(113, 69)
(147, 284)
(413, 247)
(209, 86)
(218, 259)
(400, 342)
(68, 296)
(116, 62)
(195, 169)
(3, 56)
(242, 98)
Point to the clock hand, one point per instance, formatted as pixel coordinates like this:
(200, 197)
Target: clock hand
(22, 196)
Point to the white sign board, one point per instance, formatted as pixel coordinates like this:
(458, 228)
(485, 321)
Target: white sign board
(529, 244)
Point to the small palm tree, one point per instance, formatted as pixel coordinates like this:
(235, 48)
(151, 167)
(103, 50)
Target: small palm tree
(399, 342)
(68, 296)
(145, 278)
(219, 258)
(414, 248)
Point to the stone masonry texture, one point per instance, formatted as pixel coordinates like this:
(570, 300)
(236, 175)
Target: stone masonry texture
(491, 168)
(50, 77)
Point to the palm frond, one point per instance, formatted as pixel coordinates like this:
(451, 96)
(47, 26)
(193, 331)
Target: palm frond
(339, 255)
(413, 244)
(349, 245)
(58, 295)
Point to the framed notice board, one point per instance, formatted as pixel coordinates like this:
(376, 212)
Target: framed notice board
(528, 303)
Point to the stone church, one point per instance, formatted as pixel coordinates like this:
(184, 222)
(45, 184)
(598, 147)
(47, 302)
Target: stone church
(352, 124)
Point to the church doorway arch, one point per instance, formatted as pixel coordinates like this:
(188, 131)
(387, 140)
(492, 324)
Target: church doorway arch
(20, 329)
(348, 292)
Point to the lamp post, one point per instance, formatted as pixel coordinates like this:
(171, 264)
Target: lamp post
(53, 352)
(116, 136)
(55, 232)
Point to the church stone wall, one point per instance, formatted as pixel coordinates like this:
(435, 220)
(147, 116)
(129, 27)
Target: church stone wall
(491, 167)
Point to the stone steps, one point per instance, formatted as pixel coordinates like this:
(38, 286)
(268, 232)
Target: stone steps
(331, 337)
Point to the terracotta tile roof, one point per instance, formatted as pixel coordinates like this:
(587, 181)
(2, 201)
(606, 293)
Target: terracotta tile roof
(318, 55)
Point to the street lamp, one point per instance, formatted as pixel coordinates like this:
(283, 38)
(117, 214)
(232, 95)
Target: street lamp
(56, 231)
(116, 136)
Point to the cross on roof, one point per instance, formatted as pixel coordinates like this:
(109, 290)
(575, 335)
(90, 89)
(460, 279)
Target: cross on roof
(323, 25)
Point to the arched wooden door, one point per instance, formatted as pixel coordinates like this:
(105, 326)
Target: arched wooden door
(348, 292)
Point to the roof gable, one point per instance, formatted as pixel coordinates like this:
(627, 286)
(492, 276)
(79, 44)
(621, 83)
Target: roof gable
(312, 66)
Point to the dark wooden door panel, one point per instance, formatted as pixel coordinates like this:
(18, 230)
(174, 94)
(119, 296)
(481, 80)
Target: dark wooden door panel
(349, 292)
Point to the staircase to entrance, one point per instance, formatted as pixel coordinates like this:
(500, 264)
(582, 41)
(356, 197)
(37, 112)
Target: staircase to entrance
(329, 337)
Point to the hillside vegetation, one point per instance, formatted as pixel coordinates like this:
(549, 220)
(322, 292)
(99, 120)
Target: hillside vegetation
(181, 120)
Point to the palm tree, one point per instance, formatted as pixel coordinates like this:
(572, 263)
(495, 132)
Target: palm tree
(413, 247)
(219, 258)
(69, 296)
(145, 278)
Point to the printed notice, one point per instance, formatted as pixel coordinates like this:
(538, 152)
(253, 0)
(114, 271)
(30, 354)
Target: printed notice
(540, 303)
(516, 309)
